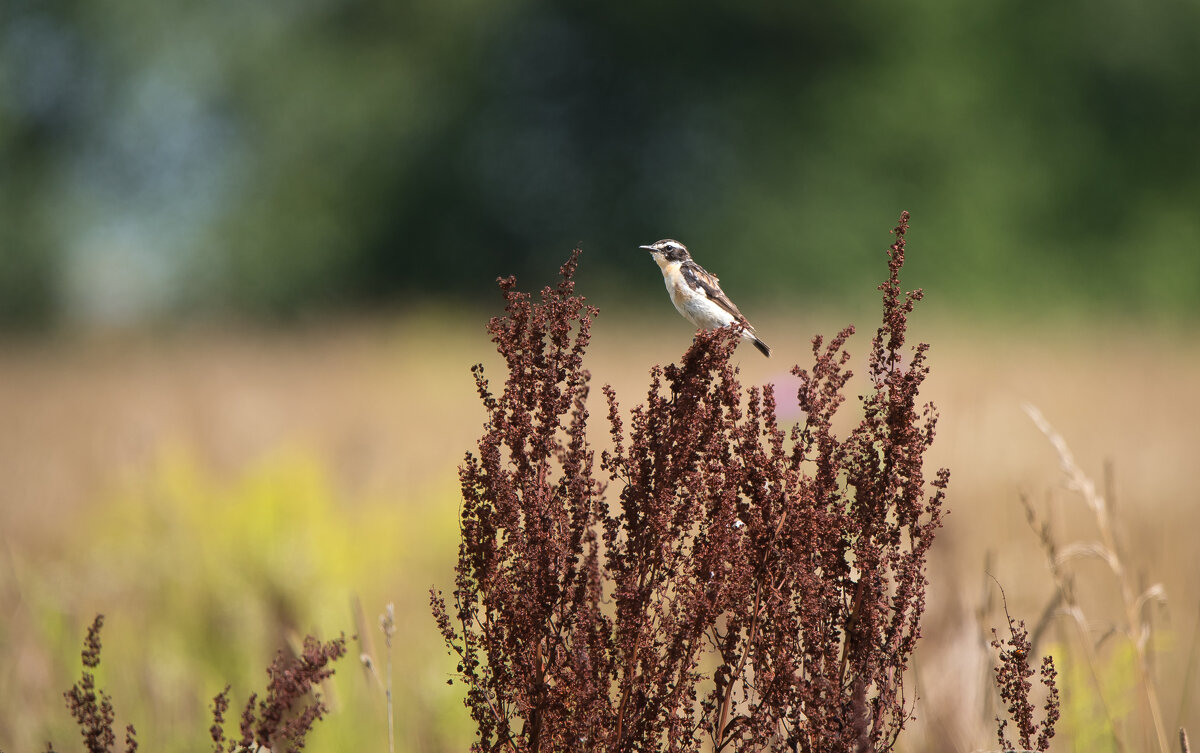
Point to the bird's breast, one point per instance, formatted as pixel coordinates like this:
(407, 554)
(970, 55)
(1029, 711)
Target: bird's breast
(677, 287)
(679, 290)
(692, 303)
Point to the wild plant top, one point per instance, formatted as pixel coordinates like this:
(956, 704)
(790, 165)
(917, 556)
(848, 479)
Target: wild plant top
(728, 580)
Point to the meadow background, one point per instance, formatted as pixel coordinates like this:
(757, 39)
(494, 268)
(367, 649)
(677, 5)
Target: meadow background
(247, 252)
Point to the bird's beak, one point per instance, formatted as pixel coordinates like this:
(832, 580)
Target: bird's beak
(651, 249)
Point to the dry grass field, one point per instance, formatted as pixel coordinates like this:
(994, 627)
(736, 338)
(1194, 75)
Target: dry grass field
(218, 493)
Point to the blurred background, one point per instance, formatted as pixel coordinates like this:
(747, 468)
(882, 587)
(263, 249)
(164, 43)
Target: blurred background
(247, 251)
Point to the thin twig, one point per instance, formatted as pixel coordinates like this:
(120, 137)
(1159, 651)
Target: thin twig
(387, 623)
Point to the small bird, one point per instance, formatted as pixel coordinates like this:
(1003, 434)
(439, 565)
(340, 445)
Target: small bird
(697, 293)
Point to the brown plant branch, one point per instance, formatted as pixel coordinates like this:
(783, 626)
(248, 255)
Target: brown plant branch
(583, 609)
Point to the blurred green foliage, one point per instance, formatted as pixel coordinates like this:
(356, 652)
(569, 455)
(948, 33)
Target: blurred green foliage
(1098, 709)
(202, 581)
(280, 158)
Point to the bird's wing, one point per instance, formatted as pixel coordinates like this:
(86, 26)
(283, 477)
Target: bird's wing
(699, 279)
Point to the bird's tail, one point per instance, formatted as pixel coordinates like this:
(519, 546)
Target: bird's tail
(748, 333)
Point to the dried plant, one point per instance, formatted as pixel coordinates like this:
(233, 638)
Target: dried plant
(92, 708)
(793, 561)
(1135, 625)
(387, 624)
(1012, 679)
(283, 719)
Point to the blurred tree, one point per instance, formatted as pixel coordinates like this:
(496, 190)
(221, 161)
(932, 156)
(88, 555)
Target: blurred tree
(285, 157)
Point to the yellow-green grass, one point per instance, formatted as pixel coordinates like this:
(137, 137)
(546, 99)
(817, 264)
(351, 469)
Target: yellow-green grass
(217, 494)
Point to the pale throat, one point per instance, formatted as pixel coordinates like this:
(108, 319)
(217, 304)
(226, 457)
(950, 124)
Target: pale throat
(666, 266)
(673, 279)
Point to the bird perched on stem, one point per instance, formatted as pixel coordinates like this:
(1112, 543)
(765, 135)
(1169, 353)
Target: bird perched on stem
(697, 293)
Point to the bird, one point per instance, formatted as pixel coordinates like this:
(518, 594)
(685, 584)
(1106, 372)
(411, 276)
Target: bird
(697, 292)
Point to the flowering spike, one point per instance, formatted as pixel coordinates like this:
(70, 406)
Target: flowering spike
(792, 564)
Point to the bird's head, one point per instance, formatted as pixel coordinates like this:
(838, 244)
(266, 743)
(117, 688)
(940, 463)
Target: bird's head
(668, 250)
